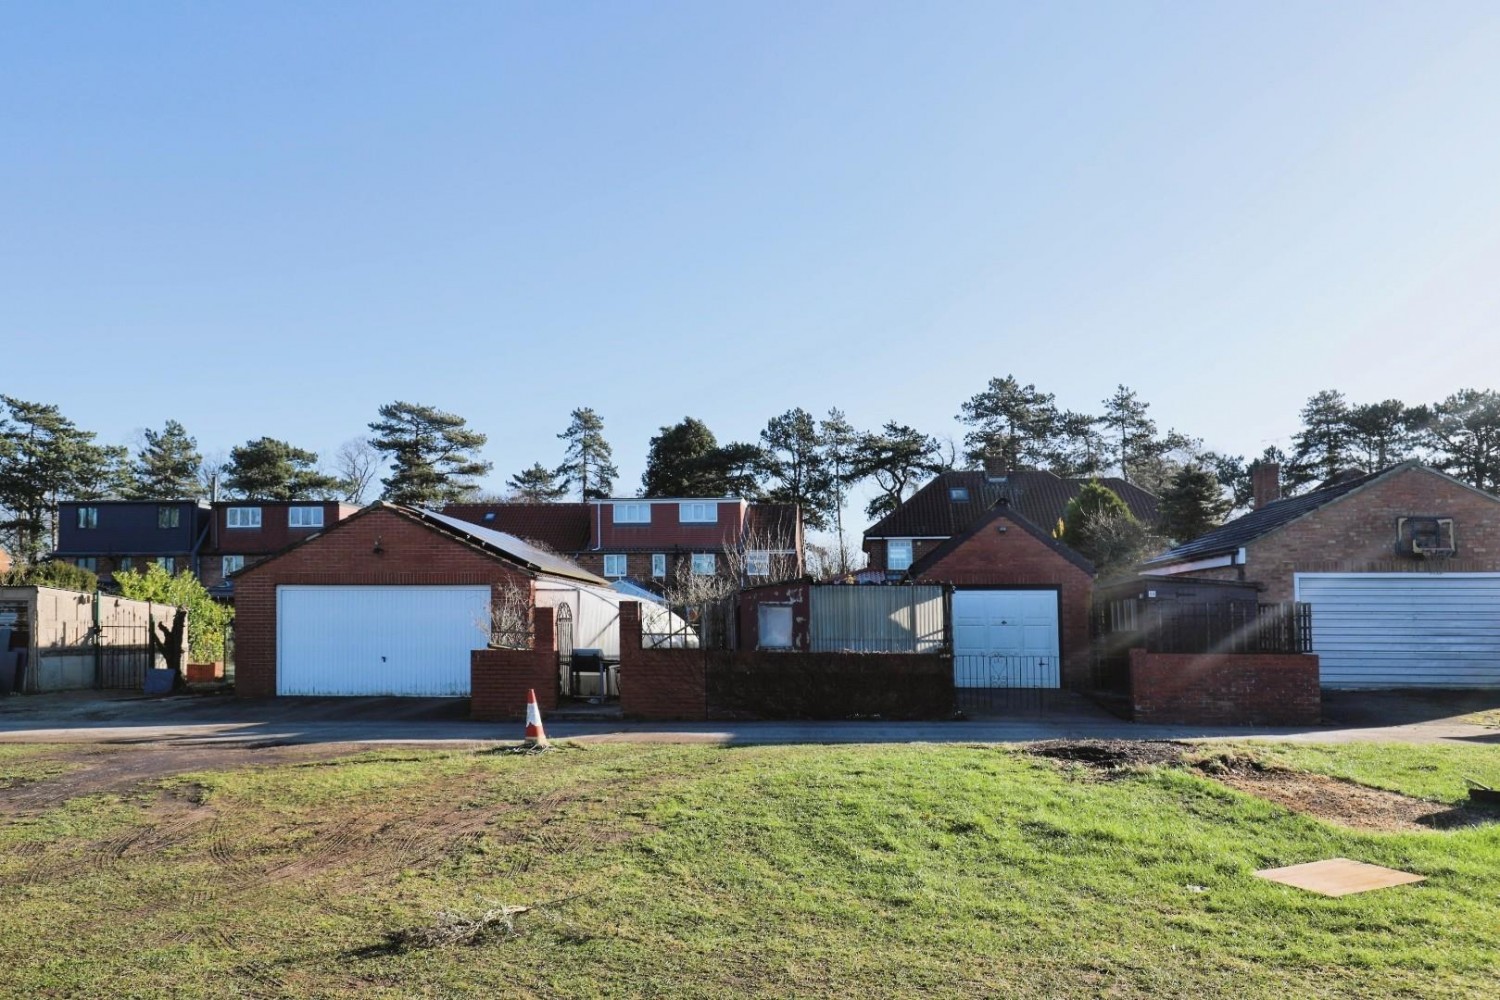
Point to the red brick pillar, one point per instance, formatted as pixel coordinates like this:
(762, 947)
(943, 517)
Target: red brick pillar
(630, 631)
(543, 628)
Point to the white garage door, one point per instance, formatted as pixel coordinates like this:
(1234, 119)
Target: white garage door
(1386, 630)
(1005, 638)
(378, 640)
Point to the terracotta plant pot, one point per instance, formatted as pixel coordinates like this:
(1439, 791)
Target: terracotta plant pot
(202, 673)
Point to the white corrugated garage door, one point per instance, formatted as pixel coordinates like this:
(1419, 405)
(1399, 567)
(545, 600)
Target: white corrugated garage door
(378, 640)
(1387, 630)
(1005, 638)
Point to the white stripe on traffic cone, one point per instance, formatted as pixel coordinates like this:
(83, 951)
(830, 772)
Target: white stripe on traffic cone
(535, 735)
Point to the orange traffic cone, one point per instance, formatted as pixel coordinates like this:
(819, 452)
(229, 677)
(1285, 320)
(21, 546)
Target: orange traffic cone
(535, 735)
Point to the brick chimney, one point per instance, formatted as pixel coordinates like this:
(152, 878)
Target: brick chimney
(1265, 484)
(995, 468)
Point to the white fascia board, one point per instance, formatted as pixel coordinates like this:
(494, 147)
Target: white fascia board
(1214, 562)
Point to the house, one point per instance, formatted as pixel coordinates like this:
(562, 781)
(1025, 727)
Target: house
(1401, 568)
(656, 543)
(243, 532)
(388, 601)
(953, 501)
(109, 536)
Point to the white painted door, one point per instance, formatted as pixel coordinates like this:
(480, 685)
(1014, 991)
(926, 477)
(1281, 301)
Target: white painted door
(1390, 630)
(378, 640)
(1005, 638)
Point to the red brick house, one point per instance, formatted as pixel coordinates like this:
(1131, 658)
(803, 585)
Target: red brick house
(243, 532)
(389, 601)
(652, 542)
(953, 501)
(1401, 568)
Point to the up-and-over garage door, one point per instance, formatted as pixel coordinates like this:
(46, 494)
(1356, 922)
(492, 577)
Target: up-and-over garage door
(1005, 639)
(378, 640)
(1389, 630)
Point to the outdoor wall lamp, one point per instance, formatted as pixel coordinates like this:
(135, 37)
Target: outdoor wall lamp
(379, 549)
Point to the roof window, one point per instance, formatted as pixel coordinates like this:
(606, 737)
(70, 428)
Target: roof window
(958, 494)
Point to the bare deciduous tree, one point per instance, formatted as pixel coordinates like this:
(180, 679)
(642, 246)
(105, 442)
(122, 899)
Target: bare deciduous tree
(355, 465)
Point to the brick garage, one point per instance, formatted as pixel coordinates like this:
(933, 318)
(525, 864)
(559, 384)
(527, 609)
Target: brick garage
(1226, 690)
(384, 545)
(1003, 550)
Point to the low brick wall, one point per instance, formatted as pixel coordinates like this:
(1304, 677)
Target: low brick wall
(695, 684)
(1225, 689)
(500, 678)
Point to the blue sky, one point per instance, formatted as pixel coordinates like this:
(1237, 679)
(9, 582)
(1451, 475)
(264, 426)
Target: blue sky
(271, 218)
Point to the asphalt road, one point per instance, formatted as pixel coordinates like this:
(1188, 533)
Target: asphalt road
(93, 717)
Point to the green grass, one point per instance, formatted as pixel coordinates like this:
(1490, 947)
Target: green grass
(1429, 772)
(697, 871)
(1490, 718)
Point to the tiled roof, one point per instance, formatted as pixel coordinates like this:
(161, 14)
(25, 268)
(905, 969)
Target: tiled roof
(1040, 497)
(562, 527)
(774, 520)
(1232, 536)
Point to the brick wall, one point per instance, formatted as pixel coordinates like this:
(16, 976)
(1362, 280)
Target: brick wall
(499, 679)
(659, 683)
(875, 550)
(1357, 534)
(1225, 689)
(1015, 557)
(344, 554)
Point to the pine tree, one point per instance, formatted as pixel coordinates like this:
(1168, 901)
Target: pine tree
(588, 464)
(1321, 449)
(1013, 424)
(432, 454)
(1193, 504)
(1382, 434)
(166, 466)
(840, 448)
(537, 484)
(898, 458)
(1464, 431)
(44, 458)
(1133, 431)
(268, 469)
(797, 467)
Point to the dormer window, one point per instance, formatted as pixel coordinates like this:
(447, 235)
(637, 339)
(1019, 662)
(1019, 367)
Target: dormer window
(632, 513)
(304, 517)
(698, 513)
(958, 494)
(242, 517)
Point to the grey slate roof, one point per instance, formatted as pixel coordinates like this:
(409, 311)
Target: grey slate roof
(1230, 537)
(1039, 497)
(523, 552)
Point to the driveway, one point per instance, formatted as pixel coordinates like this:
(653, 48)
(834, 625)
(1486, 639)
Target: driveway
(96, 717)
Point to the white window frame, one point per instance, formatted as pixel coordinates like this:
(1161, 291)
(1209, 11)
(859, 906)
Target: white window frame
(758, 562)
(168, 563)
(890, 554)
(701, 559)
(632, 513)
(90, 563)
(958, 494)
(169, 513)
(242, 517)
(125, 563)
(697, 512)
(88, 518)
(659, 565)
(234, 566)
(620, 563)
(760, 626)
(304, 517)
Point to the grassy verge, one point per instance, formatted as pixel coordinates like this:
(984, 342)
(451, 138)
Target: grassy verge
(770, 871)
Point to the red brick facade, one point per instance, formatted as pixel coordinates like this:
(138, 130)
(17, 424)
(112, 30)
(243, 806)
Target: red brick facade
(345, 554)
(659, 683)
(1357, 533)
(499, 679)
(1006, 553)
(1225, 690)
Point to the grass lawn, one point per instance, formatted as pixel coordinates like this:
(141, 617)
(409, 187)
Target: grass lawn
(768, 871)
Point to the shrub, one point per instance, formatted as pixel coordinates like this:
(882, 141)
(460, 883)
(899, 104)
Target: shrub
(207, 619)
(52, 573)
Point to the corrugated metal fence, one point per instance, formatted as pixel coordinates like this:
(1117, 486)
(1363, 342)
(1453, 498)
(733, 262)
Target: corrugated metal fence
(895, 619)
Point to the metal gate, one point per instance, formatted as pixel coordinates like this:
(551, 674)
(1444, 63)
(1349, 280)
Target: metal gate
(1000, 684)
(124, 653)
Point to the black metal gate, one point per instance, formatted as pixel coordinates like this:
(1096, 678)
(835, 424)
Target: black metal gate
(1001, 684)
(124, 655)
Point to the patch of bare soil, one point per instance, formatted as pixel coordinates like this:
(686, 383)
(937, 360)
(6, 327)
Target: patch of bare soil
(1112, 755)
(1337, 801)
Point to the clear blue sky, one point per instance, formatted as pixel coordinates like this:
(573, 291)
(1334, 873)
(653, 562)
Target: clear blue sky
(268, 218)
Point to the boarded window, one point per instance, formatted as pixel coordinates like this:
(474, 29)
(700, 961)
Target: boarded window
(775, 626)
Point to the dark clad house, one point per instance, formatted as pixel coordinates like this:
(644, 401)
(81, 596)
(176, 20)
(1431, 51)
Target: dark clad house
(106, 536)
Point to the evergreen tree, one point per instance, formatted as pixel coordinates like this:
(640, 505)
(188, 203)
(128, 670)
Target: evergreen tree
(432, 454)
(1192, 504)
(1382, 434)
(1080, 449)
(1013, 424)
(797, 467)
(1133, 432)
(588, 464)
(686, 460)
(1320, 450)
(840, 448)
(166, 466)
(44, 458)
(1464, 431)
(537, 484)
(898, 458)
(268, 469)
(1100, 527)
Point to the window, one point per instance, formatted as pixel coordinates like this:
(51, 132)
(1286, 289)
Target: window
(898, 554)
(659, 565)
(959, 494)
(243, 517)
(757, 564)
(88, 517)
(704, 564)
(489, 515)
(233, 564)
(632, 513)
(614, 565)
(167, 563)
(304, 517)
(168, 517)
(87, 562)
(125, 563)
(775, 626)
(697, 513)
